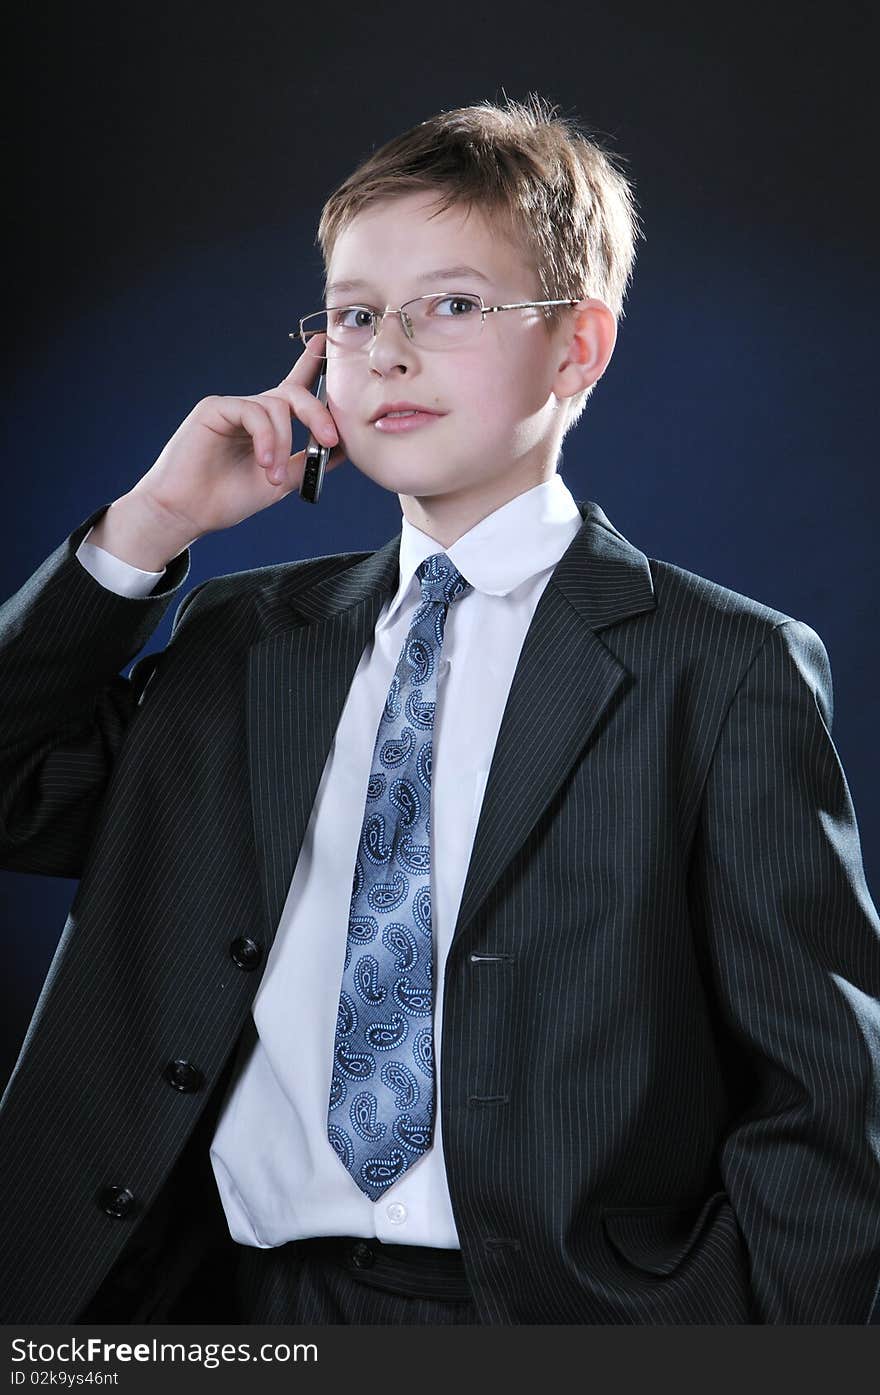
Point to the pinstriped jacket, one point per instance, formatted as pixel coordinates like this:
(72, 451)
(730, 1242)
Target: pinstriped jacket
(661, 1036)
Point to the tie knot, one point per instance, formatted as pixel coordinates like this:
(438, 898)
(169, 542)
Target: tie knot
(441, 580)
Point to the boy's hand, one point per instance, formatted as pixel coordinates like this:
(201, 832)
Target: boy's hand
(231, 457)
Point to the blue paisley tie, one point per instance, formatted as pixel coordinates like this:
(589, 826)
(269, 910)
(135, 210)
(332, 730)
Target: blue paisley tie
(381, 1114)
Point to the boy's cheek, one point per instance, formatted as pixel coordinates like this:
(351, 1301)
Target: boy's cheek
(348, 412)
(352, 405)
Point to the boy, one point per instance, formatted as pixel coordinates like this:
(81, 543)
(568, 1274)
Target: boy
(621, 904)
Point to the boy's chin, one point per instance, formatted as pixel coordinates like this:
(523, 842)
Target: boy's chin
(420, 480)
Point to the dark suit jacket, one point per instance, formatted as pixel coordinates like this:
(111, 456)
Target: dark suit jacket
(661, 1035)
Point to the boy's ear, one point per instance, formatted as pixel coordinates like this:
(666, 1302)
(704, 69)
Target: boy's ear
(587, 343)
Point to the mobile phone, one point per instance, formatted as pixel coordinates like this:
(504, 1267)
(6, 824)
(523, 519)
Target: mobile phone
(316, 454)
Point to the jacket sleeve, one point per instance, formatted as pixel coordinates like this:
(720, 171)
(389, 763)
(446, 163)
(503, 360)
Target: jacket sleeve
(793, 940)
(64, 705)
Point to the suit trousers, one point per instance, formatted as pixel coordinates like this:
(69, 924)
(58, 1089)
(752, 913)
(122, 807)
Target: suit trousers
(346, 1280)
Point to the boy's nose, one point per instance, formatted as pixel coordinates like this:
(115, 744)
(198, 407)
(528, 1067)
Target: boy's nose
(389, 342)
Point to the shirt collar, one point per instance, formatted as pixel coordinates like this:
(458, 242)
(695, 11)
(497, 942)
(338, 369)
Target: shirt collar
(525, 536)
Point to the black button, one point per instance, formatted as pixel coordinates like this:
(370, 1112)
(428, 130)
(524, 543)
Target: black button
(116, 1201)
(362, 1257)
(184, 1076)
(246, 953)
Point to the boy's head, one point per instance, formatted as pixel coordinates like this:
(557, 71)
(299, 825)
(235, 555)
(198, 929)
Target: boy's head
(541, 211)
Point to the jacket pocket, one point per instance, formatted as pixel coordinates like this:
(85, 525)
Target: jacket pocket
(658, 1238)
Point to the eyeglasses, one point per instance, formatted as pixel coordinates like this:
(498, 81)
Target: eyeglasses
(440, 321)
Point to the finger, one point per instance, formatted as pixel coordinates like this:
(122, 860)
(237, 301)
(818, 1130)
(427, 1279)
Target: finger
(307, 368)
(279, 411)
(256, 420)
(307, 409)
(291, 472)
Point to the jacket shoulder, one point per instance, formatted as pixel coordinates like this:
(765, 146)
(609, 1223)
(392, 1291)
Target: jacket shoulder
(683, 592)
(291, 576)
(707, 627)
(234, 592)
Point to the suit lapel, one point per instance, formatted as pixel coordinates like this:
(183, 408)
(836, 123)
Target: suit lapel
(565, 681)
(300, 673)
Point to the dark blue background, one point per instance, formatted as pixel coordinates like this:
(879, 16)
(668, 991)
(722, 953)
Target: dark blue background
(174, 169)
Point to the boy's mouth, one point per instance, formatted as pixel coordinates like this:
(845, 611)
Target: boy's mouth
(400, 409)
(393, 423)
(393, 417)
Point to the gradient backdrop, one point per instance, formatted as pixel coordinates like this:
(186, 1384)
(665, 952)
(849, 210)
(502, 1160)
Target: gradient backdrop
(175, 161)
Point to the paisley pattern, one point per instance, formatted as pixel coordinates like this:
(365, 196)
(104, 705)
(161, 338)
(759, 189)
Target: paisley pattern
(357, 1065)
(364, 1108)
(423, 1052)
(420, 658)
(362, 929)
(420, 713)
(416, 857)
(366, 980)
(402, 944)
(385, 1036)
(398, 750)
(406, 799)
(346, 1017)
(386, 998)
(377, 1174)
(423, 765)
(392, 704)
(341, 1144)
(421, 909)
(413, 1136)
(402, 1082)
(373, 841)
(387, 896)
(377, 786)
(413, 998)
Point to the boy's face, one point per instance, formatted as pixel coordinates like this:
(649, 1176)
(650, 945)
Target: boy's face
(499, 421)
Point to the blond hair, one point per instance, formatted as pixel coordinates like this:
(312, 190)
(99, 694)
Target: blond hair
(538, 178)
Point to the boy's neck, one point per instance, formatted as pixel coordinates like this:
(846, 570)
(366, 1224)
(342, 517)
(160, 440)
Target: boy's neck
(447, 517)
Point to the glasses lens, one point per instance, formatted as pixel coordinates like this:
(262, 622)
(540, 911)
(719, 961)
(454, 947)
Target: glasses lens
(347, 328)
(310, 326)
(444, 321)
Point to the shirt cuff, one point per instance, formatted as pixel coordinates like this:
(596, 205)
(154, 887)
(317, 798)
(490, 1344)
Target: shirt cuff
(114, 574)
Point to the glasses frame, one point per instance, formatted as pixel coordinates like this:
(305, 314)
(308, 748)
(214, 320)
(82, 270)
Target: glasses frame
(377, 317)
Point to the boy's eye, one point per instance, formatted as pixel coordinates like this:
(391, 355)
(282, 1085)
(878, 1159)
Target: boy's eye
(464, 305)
(347, 317)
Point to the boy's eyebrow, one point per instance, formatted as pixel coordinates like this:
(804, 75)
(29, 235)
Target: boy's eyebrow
(444, 271)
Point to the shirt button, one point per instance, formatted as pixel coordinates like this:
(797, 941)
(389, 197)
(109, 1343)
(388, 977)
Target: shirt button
(396, 1213)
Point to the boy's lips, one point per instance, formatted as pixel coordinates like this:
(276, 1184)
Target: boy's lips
(387, 407)
(390, 426)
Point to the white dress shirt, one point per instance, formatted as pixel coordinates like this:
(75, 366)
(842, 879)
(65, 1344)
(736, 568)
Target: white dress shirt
(277, 1175)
